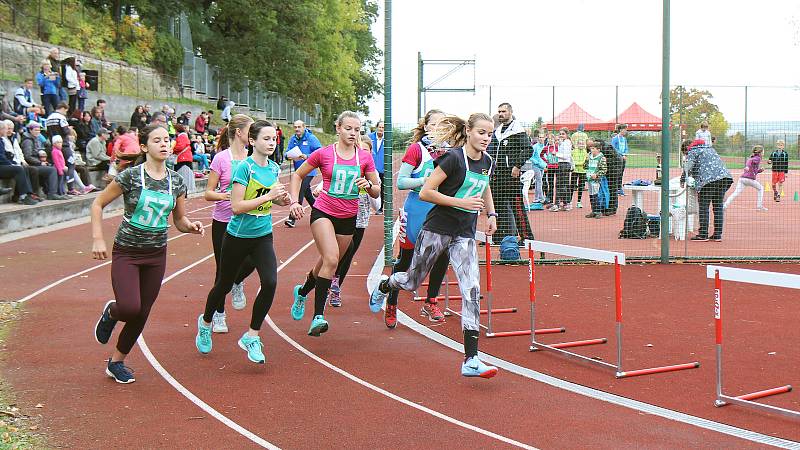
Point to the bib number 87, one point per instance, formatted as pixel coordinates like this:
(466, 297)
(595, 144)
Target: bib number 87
(340, 182)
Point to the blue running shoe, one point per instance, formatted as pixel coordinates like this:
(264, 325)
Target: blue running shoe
(299, 305)
(119, 372)
(377, 297)
(203, 339)
(318, 326)
(473, 367)
(105, 325)
(252, 345)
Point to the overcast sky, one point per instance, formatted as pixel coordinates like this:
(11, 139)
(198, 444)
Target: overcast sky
(521, 44)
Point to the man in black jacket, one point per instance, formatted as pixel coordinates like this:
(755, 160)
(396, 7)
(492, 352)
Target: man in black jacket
(510, 148)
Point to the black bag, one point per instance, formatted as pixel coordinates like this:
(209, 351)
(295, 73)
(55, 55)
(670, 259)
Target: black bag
(635, 226)
(654, 225)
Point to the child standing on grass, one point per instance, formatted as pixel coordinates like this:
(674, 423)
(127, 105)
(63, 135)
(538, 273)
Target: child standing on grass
(595, 166)
(748, 178)
(779, 160)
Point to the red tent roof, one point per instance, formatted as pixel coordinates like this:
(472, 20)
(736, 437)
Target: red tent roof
(638, 119)
(574, 115)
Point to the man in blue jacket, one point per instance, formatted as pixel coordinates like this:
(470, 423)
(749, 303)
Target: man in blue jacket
(307, 143)
(620, 144)
(377, 155)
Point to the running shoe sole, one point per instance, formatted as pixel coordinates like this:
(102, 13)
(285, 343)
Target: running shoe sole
(318, 330)
(111, 375)
(241, 346)
(98, 324)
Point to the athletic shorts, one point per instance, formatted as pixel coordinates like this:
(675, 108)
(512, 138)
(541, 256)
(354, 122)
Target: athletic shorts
(778, 177)
(344, 226)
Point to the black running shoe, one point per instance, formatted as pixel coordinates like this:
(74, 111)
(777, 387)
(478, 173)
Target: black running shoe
(699, 238)
(290, 222)
(119, 372)
(105, 325)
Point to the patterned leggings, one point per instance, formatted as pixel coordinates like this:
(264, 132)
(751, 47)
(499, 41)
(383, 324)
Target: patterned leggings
(463, 259)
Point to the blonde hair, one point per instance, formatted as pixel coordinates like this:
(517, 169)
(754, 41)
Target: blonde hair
(453, 129)
(346, 115)
(366, 142)
(419, 130)
(780, 141)
(760, 148)
(238, 122)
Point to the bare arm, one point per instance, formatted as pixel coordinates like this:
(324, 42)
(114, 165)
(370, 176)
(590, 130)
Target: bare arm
(491, 225)
(296, 210)
(108, 195)
(430, 193)
(375, 190)
(182, 223)
(211, 194)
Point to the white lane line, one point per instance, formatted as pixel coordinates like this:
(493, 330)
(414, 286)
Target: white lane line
(186, 392)
(392, 396)
(753, 436)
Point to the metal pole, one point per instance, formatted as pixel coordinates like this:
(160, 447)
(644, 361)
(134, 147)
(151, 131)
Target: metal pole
(616, 105)
(744, 148)
(553, 105)
(490, 98)
(420, 71)
(388, 215)
(665, 122)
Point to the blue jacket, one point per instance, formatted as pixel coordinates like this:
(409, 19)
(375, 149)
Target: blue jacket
(536, 157)
(620, 144)
(48, 86)
(307, 144)
(377, 151)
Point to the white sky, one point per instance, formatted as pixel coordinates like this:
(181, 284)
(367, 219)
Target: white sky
(517, 44)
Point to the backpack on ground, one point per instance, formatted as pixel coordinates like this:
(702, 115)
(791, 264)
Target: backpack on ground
(635, 225)
(509, 249)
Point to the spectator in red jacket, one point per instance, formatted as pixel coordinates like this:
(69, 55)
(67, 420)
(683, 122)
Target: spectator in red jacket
(183, 147)
(201, 122)
(126, 143)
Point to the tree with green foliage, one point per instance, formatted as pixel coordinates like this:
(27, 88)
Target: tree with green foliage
(693, 106)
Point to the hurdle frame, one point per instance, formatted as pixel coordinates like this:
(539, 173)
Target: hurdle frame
(759, 277)
(618, 260)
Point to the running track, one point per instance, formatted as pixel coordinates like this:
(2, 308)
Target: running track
(377, 388)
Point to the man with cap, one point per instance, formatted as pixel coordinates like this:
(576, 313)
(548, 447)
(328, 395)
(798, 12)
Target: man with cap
(96, 156)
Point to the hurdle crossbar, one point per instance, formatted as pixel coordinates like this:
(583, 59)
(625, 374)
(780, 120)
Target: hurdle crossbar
(618, 260)
(490, 311)
(763, 278)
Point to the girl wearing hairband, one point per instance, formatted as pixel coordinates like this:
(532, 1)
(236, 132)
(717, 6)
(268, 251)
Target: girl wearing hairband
(150, 192)
(346, 169)
(459, 187)
(235, 140)
(249, 234)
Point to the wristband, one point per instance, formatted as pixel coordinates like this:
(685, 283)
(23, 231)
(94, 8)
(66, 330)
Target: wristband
(491, 214)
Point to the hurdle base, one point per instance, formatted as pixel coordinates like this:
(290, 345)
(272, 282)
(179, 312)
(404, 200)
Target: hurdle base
(450, 312)
(440, 298)
(570, 344)
(755, 395)
(724, 400)
(654, 370)
(538, 346)
(526, 332)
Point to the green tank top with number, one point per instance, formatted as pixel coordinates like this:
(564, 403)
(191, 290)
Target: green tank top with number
(474, 184)
(153, 208)
(258, 180)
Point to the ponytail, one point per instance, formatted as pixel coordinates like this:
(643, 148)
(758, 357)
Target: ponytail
(453, 129)
(419, 131)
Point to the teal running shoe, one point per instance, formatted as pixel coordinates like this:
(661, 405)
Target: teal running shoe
(299, 305)
(318, 326)
(203, 339)
(252, 345)
(377, 297)
(474, 367)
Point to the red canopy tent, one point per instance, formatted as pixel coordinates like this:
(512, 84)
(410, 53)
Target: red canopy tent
(638, 119)
(574, 115)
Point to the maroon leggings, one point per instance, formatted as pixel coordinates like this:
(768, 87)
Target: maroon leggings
(136, 275)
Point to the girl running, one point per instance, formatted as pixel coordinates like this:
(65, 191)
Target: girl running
(346, 169)
(233, 145)
(416, 168)
(362, 222)
(150, 192)
(249, 234)
(749, 178)
(459, 187)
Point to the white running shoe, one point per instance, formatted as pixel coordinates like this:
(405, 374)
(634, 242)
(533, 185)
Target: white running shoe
(218, 324)
(761, 208)
(239, 300)
(580, 205)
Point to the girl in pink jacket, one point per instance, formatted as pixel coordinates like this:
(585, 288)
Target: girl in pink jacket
(60, 164)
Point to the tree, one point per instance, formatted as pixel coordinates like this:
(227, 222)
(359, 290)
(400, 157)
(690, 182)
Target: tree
(691, 107)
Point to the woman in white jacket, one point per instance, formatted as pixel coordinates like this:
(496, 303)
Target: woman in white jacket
(71, 78)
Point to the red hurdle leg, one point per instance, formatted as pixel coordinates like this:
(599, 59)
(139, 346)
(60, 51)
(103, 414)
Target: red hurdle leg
(526, 332)
(579, 343)
(766, 393)
(450, 283)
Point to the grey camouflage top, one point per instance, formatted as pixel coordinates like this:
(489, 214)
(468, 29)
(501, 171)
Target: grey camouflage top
(131, 184)
(704, 164)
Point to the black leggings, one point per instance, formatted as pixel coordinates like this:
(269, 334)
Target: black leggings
(246, 266)
(435, 277)
(713, 194)
(234, 250)
(305, 191)
(20, 175)
(578, 183)
(347, 258)
(550, 185)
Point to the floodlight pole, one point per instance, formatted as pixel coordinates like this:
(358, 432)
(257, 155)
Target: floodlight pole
(419, 85)
(665, 123)
(388, 209)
